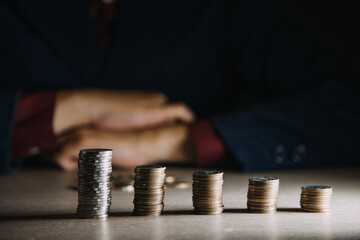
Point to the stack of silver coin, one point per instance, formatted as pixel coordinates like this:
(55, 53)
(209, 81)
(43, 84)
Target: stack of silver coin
(208, 192)
(149, 190)
(263, 194)
(94, 183)
(316, 198)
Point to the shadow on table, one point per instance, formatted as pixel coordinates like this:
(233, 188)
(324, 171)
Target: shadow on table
(55, 216)
(235, 210)
(227, 210)
(164, 213)
(128, 214)
(120, 214)
(245, 211)
(38, 217)
(178, 212)
(290, 210)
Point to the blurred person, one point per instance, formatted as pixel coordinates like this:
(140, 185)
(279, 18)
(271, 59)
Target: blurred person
(268, 90)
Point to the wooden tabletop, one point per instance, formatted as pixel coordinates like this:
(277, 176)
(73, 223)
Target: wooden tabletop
(41, 204)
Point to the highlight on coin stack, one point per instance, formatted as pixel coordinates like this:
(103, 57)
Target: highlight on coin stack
(316, 198)
(94, 183)
(208, 192)
(263, 194)
(149, 190)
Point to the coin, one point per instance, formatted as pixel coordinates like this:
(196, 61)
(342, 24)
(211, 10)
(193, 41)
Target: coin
(94, 183)
(208, 192)
(149, 190)
(316, 198)
(262, 194)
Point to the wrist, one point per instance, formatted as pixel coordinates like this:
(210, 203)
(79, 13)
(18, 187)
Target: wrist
(173, 144)
(72, 109)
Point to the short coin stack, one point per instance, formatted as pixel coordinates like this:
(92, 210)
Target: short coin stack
(262, 194)
(94, 183)
(149, 190)
(316, 198)
(208, 192)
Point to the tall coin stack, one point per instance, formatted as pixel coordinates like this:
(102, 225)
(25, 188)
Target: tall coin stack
(94, 183)
(262, 194)
(208, 192)
(149, 190)
(316, 198)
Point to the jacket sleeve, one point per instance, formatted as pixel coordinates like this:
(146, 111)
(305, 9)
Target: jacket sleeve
(8, 102)
(317, 128)
(32, 128)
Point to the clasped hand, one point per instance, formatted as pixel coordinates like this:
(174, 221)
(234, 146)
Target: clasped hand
(141, 127)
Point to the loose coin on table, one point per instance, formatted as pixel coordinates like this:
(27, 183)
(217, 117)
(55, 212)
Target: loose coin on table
(149, 190)
(94, 183)
(262, 194)
(208, 192)
(316, 198)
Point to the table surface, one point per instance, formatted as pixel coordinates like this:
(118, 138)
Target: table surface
(40, 204)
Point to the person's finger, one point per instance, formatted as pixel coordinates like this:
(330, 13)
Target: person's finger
(175, 112)
(156, 99)
(67, 160)
(144, 98)
(152, 117)
(69, 145)
(147, 117)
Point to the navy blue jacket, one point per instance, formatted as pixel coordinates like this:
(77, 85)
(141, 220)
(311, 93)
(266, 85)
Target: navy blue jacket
(278, 97)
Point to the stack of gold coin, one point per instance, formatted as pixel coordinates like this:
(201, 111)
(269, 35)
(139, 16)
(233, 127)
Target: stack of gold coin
(149, 190)
(208, 192)
(316, 198)
(262, 194)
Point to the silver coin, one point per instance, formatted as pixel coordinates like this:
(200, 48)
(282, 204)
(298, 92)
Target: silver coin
(94, 183)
